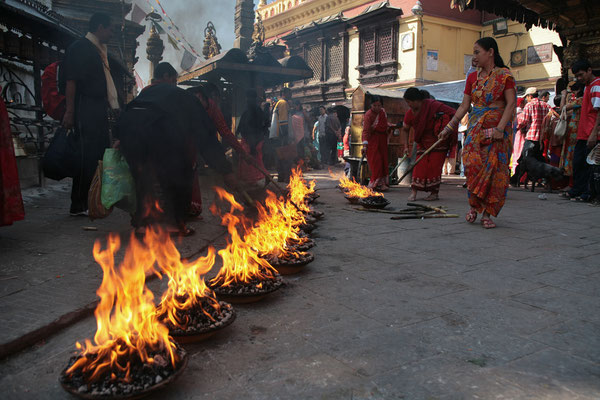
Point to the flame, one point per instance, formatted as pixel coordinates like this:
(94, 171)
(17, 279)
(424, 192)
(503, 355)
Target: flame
(186, 288)
(276, 228)
(127, 324)
(355, 189)
(241, 263)
(299, 190)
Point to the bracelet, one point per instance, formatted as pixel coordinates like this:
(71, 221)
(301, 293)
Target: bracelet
(499, 130)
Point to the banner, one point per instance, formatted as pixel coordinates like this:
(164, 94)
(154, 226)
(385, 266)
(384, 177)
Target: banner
(137, 15)
(188, 60)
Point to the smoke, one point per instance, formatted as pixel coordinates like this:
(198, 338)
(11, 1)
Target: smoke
(191, 16)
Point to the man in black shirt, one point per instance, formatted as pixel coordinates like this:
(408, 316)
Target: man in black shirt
(90, 93)
(160, 132)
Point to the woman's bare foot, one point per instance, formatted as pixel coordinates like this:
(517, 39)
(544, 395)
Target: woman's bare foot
(413, 196)
(432, 197)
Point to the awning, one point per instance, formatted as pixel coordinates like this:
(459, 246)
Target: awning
(233, 66)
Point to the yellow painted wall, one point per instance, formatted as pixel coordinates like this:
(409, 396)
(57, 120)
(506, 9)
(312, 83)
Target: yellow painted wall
(353, 49)
(535, 36)
(453, 41)
(407, 70)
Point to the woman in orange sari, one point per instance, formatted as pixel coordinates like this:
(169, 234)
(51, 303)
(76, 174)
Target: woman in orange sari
(488, 144)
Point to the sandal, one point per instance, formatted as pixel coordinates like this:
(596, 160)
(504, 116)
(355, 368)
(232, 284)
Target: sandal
(487, 223)
(565, 195)
(432, 197)
(471, 216)
(412, 198)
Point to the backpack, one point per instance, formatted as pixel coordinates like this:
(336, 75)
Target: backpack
(53, 98)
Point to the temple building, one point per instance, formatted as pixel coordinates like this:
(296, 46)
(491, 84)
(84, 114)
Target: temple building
(399, 43)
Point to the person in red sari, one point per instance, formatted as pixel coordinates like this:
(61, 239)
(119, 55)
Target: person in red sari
(428, 117)
(11, 203)
(487, 149)
(375, 144)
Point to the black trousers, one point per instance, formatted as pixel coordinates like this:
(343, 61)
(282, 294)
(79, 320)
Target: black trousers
(328, 149)
(91, 124)
(581, 170)
(161, 164)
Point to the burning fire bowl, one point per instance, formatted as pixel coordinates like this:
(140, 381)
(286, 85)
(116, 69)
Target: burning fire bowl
(374, 202)
(352, 199)
(145, 379)
(316, 214)
(290, 266)
(310, 198)
(305, 246)
(247, 293)
(201, 327)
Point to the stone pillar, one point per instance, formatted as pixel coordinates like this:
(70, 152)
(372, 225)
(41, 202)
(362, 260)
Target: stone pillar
(244, 24)
(154, 50)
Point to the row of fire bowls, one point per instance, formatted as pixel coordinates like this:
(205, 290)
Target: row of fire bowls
(145, 379)
(374, 202)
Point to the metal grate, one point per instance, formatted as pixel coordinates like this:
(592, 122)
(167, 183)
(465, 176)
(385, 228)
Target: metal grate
(315, 61)
(385, 45)
(368, 48)
(335, 59)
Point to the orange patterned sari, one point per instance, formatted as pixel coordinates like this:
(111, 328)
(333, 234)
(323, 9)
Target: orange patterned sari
(486, 161)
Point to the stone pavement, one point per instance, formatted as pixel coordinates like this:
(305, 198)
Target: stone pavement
(46, 265)
(411, 309)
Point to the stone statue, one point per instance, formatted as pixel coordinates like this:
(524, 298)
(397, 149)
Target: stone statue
(211, 44)
(258, 36)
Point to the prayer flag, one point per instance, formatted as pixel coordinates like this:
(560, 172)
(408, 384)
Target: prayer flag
(158, 28)
(187, 61)
(173, 42)
(138, 81)
(137, 15)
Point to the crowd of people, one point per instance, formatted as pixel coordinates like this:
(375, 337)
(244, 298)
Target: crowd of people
(164, 130)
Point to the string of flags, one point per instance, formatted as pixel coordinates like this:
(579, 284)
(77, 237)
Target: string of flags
(166, 26)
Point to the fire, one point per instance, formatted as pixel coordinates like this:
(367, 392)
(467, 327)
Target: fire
(127, 325)
(186, 288)
(355, 189)
(299, 190)
(241, 263)
(276, 227)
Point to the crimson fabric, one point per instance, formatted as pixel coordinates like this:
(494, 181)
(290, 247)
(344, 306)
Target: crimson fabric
(427, 174)
(427, 126)
(217, 118)
(55, 103)
(11, 203)
(377, 158)
(589, 110)
(247, 172)
(472, 82)
(369, 126)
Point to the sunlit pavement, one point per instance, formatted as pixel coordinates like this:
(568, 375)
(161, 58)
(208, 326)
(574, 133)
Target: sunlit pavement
(410, 309)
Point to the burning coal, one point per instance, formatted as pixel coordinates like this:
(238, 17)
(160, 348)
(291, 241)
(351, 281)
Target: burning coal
(129, 340)
(243, 269)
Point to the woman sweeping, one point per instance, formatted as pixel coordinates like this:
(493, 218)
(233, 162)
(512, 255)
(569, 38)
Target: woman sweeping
(486, 155)
(427, 117)
(375, 144)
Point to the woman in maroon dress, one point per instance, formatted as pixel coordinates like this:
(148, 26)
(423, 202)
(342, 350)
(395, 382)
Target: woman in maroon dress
(11, 203)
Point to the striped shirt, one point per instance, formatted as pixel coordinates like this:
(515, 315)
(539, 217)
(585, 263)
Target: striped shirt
(532, 117)
(589, 110)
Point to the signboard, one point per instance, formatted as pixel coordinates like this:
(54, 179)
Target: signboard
(539, 54)
(432, 60)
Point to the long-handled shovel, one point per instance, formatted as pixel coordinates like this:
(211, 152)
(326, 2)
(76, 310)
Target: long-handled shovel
(429, 150)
